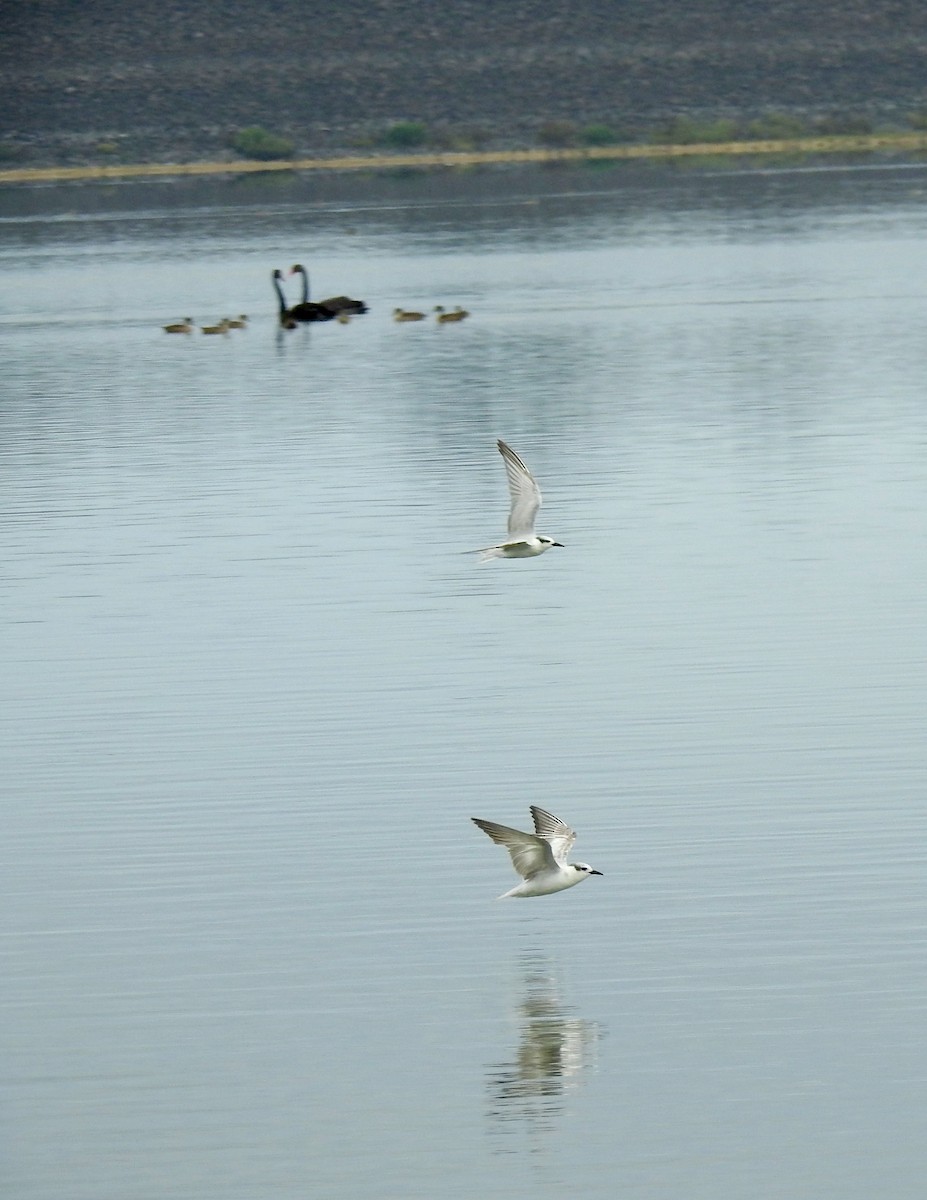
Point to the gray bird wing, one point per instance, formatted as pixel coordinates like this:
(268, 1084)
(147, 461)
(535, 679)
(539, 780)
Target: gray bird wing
(530, 854)
(523, 488)
(554, 831)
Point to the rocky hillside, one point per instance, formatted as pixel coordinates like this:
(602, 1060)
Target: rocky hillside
(169, 79)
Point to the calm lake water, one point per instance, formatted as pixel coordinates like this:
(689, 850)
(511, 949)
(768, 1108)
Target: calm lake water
(254, 689)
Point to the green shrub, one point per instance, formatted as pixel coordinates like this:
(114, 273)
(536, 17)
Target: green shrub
(598, 135)
(406, 134)
(467, 138)
(684, 131)
(255, 142)
(777, 126)
(719, 131)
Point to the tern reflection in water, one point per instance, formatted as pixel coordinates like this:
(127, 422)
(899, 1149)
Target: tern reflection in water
(554, 1051)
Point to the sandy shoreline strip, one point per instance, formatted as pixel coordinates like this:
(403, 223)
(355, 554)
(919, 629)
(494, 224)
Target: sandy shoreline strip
(855, 144)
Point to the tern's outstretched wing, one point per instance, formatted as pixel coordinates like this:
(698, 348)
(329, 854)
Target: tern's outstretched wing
(525, 493)
(560, 836)
(530, 854)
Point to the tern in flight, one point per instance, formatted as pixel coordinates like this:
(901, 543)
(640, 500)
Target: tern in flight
(539, 857)
(522, 541)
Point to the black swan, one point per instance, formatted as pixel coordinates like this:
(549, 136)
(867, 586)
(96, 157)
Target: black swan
(336, 304)
(290, 317)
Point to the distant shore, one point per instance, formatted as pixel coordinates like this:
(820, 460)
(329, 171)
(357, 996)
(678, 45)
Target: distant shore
(838, 144)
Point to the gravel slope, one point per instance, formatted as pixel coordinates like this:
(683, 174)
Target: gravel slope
(166, 79)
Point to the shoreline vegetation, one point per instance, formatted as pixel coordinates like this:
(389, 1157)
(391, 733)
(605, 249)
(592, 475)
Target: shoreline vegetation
(852, 144)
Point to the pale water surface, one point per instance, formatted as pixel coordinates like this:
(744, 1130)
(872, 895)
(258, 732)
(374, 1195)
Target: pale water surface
(253, 690)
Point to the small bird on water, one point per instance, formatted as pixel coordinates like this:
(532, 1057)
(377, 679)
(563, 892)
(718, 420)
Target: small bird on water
(539, 857)
(446, 318)
(522, 541)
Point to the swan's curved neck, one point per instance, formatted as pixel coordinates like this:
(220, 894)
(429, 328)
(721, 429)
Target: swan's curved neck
(280, 296)
(305, 275)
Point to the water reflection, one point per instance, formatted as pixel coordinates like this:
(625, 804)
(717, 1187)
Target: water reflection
(554, 1052)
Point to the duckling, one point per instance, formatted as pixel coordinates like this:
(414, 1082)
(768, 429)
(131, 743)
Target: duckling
(443, 318)
(239, 322)
(403, 314)
(184, 326)
(222, 327)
